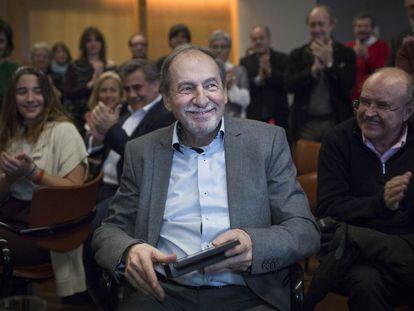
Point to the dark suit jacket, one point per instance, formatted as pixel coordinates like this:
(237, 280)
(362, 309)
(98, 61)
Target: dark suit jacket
(263, 195)
(396, 44)
(116, 138)
(340, 78)
(268, 100)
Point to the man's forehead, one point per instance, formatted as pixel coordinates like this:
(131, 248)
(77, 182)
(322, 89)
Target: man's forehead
(383, 85)
(319, 14)
(186, 59)
(138, 38)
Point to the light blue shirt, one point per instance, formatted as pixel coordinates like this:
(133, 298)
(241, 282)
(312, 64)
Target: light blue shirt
(197, 210)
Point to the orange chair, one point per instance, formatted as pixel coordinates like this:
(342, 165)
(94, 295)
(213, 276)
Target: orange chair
(309, 184)
(305, 156)
(59, 220)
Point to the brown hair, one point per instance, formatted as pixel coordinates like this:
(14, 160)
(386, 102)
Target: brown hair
(87, 33)
(12, 123)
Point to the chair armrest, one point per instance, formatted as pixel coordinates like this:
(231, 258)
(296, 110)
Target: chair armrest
(49, 230)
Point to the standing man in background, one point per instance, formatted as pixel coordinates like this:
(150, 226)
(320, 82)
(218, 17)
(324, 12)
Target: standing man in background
(265, 68)
(372, 53)
(138, 45)
(320, 74)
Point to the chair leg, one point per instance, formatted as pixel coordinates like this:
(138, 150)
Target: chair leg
(7, 277)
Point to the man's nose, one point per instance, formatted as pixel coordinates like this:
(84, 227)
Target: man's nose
(201, 98)
(130, 93)
(371, 111)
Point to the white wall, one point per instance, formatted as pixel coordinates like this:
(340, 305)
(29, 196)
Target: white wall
(285, 18)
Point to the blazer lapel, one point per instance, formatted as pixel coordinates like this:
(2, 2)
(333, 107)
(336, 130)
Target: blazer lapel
(163, 155)
(234, 172)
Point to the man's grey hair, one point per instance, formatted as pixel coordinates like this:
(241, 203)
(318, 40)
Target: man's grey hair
(220, 34)
(148, 68)
(165, 81)
(264, 27)
(40, 46)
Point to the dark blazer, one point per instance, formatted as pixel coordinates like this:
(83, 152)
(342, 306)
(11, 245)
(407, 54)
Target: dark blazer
(116, 138)
(263, 195)
(396, 42)
(340, 78)
(268, 101)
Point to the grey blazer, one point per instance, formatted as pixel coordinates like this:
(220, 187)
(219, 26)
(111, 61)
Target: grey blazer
(263, 195)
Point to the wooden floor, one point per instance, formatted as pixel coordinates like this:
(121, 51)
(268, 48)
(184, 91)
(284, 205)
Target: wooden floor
(46, 290)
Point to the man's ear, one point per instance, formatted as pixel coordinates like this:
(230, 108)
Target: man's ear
(409, 108)
(167, 102)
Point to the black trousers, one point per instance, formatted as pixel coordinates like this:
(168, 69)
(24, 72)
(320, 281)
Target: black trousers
(180, 297)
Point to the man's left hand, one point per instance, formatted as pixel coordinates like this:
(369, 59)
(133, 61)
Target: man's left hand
(239, 257)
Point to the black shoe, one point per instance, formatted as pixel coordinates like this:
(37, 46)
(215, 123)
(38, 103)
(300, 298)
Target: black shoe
(77, 299)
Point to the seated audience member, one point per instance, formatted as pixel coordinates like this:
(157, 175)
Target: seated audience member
(41, 57)
(179, 34)
(107, 91)
(320, 74)
(191, 184)
(7, 67)
(372, 53)
(145, 113)
(138, 46)
(405, 57)
(61, 59)
(236, 76)
(365, 181)
(82, 74)
(265, 68)
(39, 146)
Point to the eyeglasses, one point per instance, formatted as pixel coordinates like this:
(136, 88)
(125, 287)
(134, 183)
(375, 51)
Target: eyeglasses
(376, 105)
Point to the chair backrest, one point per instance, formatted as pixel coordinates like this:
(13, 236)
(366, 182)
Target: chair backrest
(305, 156)
(56, 205)
(309, 184)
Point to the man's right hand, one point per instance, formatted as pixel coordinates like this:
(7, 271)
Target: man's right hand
(394, 190)
(140, 271)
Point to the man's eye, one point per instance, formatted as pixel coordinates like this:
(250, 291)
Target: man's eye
(383, 106)
(211, 86)
(185, 89)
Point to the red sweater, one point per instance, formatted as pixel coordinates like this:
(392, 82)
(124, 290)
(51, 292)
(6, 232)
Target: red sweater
(377, 57)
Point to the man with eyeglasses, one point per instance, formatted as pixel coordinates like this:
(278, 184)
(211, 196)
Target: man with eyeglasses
(365, 180)
(138, 46)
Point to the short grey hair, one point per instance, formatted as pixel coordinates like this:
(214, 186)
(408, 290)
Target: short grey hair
(220, 34)
(165, 81)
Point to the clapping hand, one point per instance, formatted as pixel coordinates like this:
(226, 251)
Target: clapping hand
(15, 167)
(394, 190)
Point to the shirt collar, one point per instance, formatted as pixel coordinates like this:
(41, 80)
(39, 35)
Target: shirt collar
(177, 143)
(371, 40)
(146, 108)
(400, 143)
